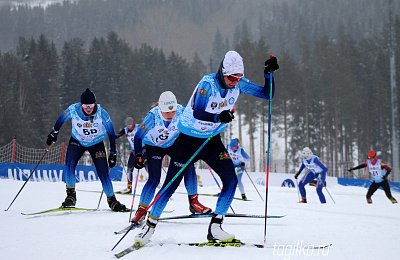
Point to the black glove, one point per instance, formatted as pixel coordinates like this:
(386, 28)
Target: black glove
(225, 116)
(271, 65)
(112, 159)
(296, 175)
(242, 164)
(387, 174)
(139, 162)
(52, 137)
(350, 169)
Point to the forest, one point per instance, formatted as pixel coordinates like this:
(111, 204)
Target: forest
(333, 89)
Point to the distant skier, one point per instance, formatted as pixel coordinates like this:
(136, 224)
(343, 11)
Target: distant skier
(159, 132)
(129, 131)
(90, 126)
(207, 113)
(239, 158)
(377, 169)
(315, 170)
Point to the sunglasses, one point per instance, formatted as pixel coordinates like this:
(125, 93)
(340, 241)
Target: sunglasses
(234, 77)
(88, 107)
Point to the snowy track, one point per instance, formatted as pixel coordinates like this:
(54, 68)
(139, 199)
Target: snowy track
(356, 230)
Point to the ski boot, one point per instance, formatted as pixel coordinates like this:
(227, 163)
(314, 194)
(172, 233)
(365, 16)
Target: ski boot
(244, 197)
(70, 200)
(147, 231)
(303, 200)
(125, 191)
(393, 200)
(140, 215)
(369, 201)
(196, 207)
(215, 231)
(115, 205)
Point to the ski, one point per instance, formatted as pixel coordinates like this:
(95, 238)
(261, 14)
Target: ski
(304, 246)
(235, 243)
(130, 227)
(227, 215)
(213, 195)
(132, 248)
(56, 210)
(125, 229)
(119, 193)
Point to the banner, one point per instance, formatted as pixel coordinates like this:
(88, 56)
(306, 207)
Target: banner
(53, 172)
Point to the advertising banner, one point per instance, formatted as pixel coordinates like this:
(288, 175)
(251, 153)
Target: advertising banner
(52, 172)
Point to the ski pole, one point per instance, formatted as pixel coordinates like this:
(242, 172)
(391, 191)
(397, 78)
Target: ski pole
(253, 184)
(30, 175)
(319, 178)
(298, 190)
(101, 195)
(363, 184)
(102, 191)
(268, 153)
(394, 184)
(134, 193)
(161, 192)
(218, 184)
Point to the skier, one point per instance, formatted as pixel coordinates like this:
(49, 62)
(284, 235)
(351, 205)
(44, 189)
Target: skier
(159, 132)
(90, 126)
(239, 158)
(377, 168)
(316, 170)
(210, 107)
(129, 131)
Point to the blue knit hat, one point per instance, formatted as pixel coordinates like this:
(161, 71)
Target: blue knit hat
(233, 144)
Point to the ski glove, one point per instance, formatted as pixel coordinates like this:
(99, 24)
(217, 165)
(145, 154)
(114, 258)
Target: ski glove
(225, 116)
(139, 162)
(296, 175)
(350, 169)
(242, 164)
(112, 159)
(387, 173)
(271, 65)
(52, 137)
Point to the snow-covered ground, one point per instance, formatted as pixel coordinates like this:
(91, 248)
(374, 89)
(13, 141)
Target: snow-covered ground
(356, 230)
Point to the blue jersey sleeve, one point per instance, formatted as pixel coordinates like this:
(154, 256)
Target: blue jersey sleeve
(301, 167)
(248, 87)
(320, 164)
(147, 124)
(108, 124)
(65, 116)
(200, 103)
(245, 156)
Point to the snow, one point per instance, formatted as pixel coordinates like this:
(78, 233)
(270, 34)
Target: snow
(356, 230)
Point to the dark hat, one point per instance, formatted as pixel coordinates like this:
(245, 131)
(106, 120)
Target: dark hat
(88, 97)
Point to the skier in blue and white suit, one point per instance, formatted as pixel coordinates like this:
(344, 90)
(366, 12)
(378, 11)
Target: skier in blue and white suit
(210, 105)
(90, 126)
(129, 132)
(239, 158)
(159, 131)
(316, 170)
